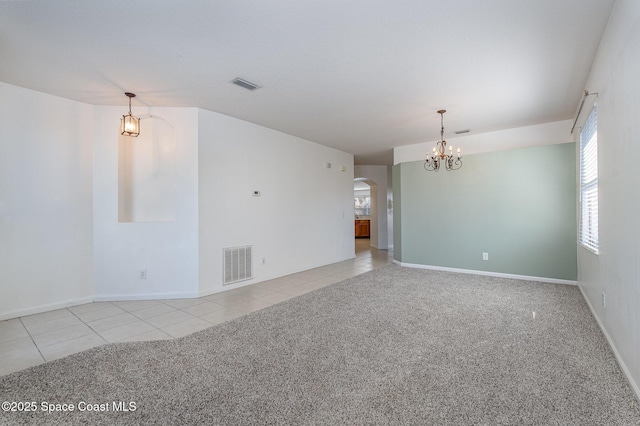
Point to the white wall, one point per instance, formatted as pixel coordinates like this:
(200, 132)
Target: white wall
(381, 233)
(147, 173)
(168, 249)
(616, 270)
(63, 241)
(45, 202)
(303, 217)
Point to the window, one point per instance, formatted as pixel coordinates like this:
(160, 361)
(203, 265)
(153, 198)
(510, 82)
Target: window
(588, 227)
(362, 205)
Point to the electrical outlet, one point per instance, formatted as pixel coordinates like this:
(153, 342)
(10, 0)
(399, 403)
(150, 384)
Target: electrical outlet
(604, 300)
(143, 274)
(485, 256)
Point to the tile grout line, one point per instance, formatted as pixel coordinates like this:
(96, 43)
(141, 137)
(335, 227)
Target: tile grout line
(149, 324)
(91, 328)
(159, 329)
(82, 321)
(33, 341)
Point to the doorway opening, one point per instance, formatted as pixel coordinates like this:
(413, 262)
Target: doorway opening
(365, 214)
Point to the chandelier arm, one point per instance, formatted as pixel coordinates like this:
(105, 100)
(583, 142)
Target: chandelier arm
(455, 165)
(432, 164)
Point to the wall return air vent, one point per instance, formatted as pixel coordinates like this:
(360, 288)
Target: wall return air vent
(237, 264)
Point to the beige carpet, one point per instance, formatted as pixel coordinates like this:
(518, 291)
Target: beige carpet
(392, 346)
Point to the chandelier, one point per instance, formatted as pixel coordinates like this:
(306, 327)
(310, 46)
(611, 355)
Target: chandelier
(439, 154)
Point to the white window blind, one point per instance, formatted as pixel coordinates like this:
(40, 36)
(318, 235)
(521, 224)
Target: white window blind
(588, 232)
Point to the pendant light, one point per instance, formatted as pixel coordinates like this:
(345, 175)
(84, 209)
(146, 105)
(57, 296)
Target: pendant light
(129, 124)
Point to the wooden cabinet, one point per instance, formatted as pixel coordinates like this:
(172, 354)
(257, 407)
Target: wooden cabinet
(362, 228)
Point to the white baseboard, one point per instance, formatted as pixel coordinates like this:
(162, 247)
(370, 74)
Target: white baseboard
(45, 308)
(487, 273)
(144, 296)
(621, 363)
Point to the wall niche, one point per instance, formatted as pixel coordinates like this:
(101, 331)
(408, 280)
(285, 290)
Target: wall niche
(147, 173)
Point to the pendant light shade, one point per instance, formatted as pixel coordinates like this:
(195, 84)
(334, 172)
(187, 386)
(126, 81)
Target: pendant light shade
(129, 124)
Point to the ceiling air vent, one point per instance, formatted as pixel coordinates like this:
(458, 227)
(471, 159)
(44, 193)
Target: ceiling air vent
(459, 132)
(244, 83)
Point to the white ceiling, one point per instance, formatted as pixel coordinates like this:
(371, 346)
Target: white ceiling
(362, 76)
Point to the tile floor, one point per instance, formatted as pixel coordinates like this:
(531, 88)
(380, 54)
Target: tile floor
(34, 339)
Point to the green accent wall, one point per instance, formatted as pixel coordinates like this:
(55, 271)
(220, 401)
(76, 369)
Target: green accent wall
(518, 206)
